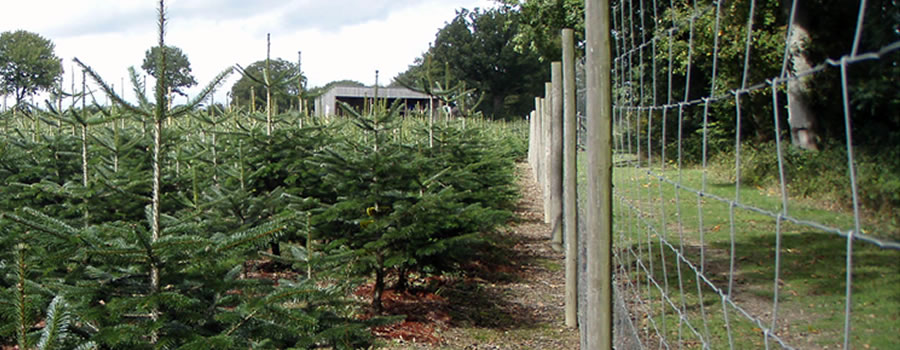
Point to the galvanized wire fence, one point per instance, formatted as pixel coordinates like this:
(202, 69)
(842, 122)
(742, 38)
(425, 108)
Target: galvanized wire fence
(706, 255)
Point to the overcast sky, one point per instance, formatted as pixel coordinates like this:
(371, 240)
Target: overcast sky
(340, 39)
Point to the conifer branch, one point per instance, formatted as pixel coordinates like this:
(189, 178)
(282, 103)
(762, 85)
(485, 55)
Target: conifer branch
(204, 94)
(57, 323)
(242, 322)
(109, 90)
(249, 237)
(21, 298)
(88, 346)
(139, 89)
(41, 222)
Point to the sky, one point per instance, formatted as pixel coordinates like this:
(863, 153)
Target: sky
(339, 39)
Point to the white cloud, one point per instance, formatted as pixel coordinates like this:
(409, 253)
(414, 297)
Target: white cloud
(347, 39)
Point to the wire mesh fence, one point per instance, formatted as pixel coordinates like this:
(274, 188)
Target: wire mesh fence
(746, 150)
(706, 256)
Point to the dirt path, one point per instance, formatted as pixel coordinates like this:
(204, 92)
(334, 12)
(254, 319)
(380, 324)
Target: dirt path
(515, 301)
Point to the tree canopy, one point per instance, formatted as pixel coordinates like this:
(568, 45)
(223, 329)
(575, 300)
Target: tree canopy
(27, 64)
(540, 23)
(873, 85)
(477, 48)
(831, 34)
(283, 75)
(178, 68)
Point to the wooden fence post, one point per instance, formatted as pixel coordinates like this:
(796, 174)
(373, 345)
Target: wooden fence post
(532, 139)
(570, 172)
(598, 327)
(555, 173)
(539, 141)
(547, 116)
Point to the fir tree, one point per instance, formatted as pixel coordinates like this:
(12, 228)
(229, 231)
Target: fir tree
(398, 208)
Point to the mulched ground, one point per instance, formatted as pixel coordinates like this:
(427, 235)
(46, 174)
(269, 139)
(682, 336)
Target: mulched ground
(511, 300)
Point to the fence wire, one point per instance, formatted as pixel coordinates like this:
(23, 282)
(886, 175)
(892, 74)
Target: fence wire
(703, 260)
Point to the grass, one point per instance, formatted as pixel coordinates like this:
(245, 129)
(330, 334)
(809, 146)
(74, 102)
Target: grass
(811, 280)
(550, 265)
(821, 180)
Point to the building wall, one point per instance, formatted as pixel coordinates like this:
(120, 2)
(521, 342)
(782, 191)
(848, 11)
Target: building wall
(326, 104)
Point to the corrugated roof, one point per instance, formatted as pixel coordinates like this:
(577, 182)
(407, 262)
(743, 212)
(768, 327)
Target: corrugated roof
(383, 92)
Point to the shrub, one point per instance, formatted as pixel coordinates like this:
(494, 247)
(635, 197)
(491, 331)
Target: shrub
(822, 175)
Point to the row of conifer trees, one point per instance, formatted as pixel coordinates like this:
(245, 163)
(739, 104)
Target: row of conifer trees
(147, 226)
(260, 237)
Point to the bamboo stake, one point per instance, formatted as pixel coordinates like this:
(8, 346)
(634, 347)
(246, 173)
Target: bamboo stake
(84, 157)
(252, 99)
(268, 86)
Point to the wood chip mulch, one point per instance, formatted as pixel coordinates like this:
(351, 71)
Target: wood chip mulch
(513, 300)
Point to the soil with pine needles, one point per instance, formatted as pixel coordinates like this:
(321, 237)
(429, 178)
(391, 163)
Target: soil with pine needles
(511, 299)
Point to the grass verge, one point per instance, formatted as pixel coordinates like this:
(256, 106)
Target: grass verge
(667, 234)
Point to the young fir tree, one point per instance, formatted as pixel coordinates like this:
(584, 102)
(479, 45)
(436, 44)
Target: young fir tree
(19, 302)
(471, 194)
(367, 173)
(167, 280)
(397, 209)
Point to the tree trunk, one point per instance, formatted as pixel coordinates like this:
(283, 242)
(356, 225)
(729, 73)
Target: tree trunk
(378, 289)
(402, 280)
(801, 118)
(497, 105)
(276, 249)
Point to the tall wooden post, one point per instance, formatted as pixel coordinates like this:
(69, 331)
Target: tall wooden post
(555, 173)
(531, 139)
(539, 140)
(547, 131)
(598, 327)
(570, 172)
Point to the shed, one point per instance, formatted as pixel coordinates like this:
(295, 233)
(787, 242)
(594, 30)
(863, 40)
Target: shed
(327, 103)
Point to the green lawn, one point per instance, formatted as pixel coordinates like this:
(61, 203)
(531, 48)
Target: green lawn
(812, 274)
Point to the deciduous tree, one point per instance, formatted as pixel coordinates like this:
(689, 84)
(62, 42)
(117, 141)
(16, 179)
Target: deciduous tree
(27, 64)
(477, 48)
(540, 23)
(282, 73)
(178, 68)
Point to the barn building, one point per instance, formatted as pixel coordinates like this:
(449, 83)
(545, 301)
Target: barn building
(327, 103)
